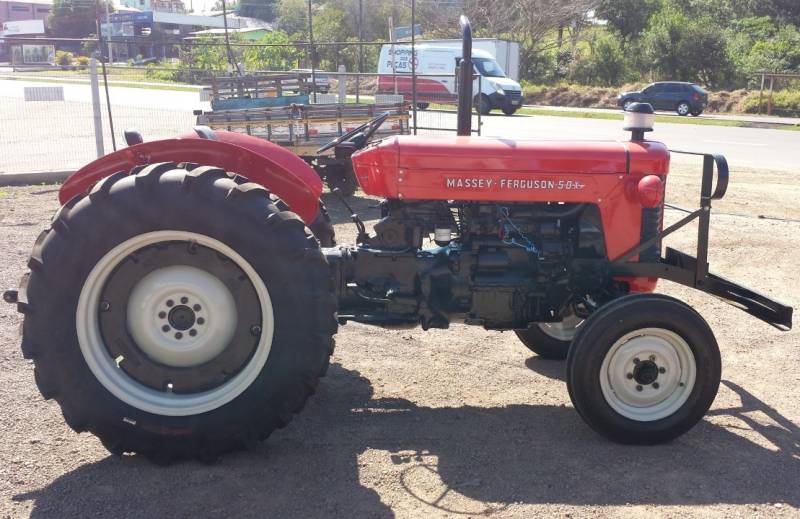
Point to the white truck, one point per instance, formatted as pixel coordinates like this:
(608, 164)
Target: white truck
(436, 63)
(505, 52)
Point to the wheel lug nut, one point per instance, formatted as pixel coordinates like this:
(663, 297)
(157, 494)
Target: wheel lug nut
(192, 332)
(178, 335)
(629, 375)
(170, 302)
(255, 329)
(200, 320)
(655, 385)
(662, 370)
(165, 328)
(196, 308)
(636, 360)
(638, 388)
(162, 315)
(184, 300)
(652, 357)
(105, 306)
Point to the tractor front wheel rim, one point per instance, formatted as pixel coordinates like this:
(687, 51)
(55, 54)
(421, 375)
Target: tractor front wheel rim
(564, 330)
(648, 374)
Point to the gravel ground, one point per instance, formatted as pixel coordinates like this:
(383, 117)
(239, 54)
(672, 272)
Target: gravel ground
(451, 423)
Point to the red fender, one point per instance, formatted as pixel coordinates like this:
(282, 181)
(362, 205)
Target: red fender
(276, 168)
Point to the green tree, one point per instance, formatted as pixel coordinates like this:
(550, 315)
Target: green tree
(684, 48)
(605, 63)
(628, 17)
(76, 18)
(272, 58)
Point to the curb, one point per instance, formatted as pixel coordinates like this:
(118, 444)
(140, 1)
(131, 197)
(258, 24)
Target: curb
(40, 177)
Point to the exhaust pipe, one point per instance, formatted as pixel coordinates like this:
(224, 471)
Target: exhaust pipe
(465, 79)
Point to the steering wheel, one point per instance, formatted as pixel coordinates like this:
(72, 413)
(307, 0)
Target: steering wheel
(370, 126)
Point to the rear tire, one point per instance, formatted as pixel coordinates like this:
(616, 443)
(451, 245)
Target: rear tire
(422, 106)
(643, 369)
(683, 109)
(237, 361)
(696, 113)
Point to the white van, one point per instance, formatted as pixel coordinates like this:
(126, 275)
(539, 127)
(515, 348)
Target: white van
(436, 82)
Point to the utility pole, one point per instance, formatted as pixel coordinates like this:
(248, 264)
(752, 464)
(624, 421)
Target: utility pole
(313, 54)
(108, 42)
(231, 58)
(360, 48)
(414, 63)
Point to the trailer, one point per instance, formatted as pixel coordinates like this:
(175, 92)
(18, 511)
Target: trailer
(277, 106)
(304, 128)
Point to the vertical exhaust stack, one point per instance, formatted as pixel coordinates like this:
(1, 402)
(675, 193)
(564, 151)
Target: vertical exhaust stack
(465, 79)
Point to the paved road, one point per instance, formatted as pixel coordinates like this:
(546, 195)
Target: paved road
(159, 113)
(765, 119)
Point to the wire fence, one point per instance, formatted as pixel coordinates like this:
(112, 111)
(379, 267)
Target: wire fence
(161, 89)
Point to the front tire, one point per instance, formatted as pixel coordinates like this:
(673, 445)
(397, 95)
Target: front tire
(509, 110)
(176, 333)
(643, 369)
(551, 340)
(341, 177)
(483, 104)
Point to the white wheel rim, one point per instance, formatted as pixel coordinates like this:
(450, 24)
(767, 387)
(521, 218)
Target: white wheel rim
(168, 289)
(683, 109)
(563, 331)
(623, 380)
(142, 312)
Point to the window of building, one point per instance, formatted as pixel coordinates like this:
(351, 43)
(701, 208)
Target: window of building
(23, 8)
(42, 9)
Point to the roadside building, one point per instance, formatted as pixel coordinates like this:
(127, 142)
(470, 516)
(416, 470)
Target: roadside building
(24, 10)
(155, 32)
(24, 20)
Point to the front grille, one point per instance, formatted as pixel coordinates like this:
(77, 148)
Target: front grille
(651, 226)
(514, 94)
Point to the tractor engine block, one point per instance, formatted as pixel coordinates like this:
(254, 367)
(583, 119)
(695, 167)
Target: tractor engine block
(498, 265)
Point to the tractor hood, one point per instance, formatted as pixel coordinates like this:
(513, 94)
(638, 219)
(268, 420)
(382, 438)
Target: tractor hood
(480, 168)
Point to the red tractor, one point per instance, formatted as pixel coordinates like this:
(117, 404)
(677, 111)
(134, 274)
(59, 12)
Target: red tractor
(181, 305)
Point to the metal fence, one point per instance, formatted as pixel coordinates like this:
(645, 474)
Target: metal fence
(159, 96)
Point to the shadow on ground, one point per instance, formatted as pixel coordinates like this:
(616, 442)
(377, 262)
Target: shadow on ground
(492, 456)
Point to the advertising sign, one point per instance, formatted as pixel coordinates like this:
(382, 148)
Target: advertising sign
(37, 54)
(20, 27)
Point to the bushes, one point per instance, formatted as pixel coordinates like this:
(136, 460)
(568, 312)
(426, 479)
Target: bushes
(64, 59)
(784, 102)
(604, 63)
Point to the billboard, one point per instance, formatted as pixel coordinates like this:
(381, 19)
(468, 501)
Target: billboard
(20, 27)
(33, 55)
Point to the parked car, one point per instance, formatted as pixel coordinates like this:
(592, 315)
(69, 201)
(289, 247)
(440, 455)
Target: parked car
(684, 98)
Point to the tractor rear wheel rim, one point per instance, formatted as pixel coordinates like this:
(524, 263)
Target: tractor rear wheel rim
(648, 374)
(200, 303)
(563, 331)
